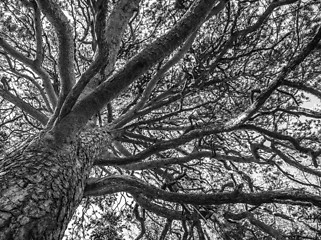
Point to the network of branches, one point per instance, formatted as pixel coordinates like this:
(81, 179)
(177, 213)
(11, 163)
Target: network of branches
(220, 139)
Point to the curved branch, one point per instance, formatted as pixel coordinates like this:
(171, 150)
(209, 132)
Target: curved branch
(294, 163)
(34, 67)
(265, 15)
(141, 220)
(134, 186)
(279, 136)
(264, 227)
(300, 111)
(169, 161)
(24, 106)
(33, 81)
(162, 211)
(303, 87)
(64, 31)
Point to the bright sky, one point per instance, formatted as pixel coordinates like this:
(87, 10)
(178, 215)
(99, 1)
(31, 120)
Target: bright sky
(313, 103)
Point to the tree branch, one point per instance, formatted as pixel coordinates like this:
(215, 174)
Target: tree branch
(152, 83)
(165, 145)
(300, 111)
(37, 69)
(170, 63)
(282, 137)
(160, 210)
(132, 185)
(24, 106)
(38, 30)
(303, 87)
(261, 19)
(33, 81)
(110, 33)
(165, 229)
(64, 31)
(137, 66)
(169, 161)
(264, 227)
(261, 99)
(295, 163)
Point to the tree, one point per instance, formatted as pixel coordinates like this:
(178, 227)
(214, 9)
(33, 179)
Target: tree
(196, 109)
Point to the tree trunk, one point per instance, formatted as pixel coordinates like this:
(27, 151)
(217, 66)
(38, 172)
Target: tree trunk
(41, 188)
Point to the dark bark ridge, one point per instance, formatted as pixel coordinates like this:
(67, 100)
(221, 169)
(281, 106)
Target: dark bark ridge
(39, 194)
(42, 186)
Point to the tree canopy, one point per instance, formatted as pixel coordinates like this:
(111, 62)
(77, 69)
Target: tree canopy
(199, 119)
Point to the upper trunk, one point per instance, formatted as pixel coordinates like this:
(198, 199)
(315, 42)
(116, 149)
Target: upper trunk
(40, 189)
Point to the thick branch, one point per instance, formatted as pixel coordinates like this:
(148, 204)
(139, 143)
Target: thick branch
(137, 66)
(170, 63)
(152, 83)
(132, 185)
(110, 33)
(38, 29)
(64, 32)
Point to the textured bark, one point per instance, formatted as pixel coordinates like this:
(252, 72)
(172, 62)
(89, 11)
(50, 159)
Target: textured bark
(41, 187)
